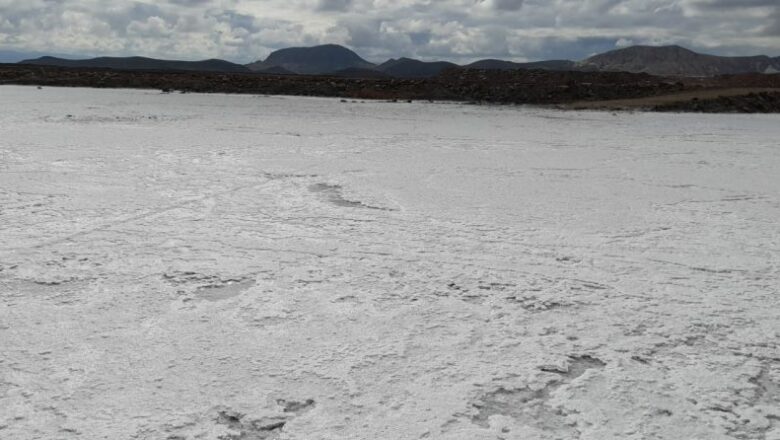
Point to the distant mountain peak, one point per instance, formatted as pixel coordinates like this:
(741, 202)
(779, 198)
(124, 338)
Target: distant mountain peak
(676, 60)
(410, 68)
(322, 59)
(658, 51)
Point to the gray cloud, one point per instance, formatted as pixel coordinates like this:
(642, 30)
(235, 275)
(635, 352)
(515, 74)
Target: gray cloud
(508, 5)
(773, 28)
(730, 4)
(458, 30)
(334, 5)
(189, 2)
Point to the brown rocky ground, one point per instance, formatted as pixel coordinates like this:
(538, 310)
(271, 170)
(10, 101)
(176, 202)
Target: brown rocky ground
(760, 102)
(601, 90)
(727, 100)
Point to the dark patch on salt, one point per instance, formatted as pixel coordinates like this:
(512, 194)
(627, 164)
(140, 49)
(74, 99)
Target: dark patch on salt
(529, 406)
(333, 193)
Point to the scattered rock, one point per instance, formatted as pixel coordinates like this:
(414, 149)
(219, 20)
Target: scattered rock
(259, 429)
(296, 407)
(209, 287)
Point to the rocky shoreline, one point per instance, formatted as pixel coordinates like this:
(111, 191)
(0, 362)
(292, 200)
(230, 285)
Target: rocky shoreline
(764, 102)
(464, 85)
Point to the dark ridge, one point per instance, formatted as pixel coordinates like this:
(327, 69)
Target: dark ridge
(140, 63)
(358, 73)
(409, 68)
(543, 87)
(275, 71)
(491, 64)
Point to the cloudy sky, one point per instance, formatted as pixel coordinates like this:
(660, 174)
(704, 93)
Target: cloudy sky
(457, 30)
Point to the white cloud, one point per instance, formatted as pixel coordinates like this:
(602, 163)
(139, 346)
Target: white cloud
(459, 30)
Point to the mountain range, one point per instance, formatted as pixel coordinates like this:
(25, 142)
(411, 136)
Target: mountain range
(331, 59)
(141, 63)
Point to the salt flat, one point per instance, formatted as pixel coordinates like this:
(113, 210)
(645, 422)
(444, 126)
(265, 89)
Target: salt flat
(243, 267)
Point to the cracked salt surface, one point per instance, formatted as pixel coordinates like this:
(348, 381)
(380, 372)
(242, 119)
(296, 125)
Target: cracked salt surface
(210, 267)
